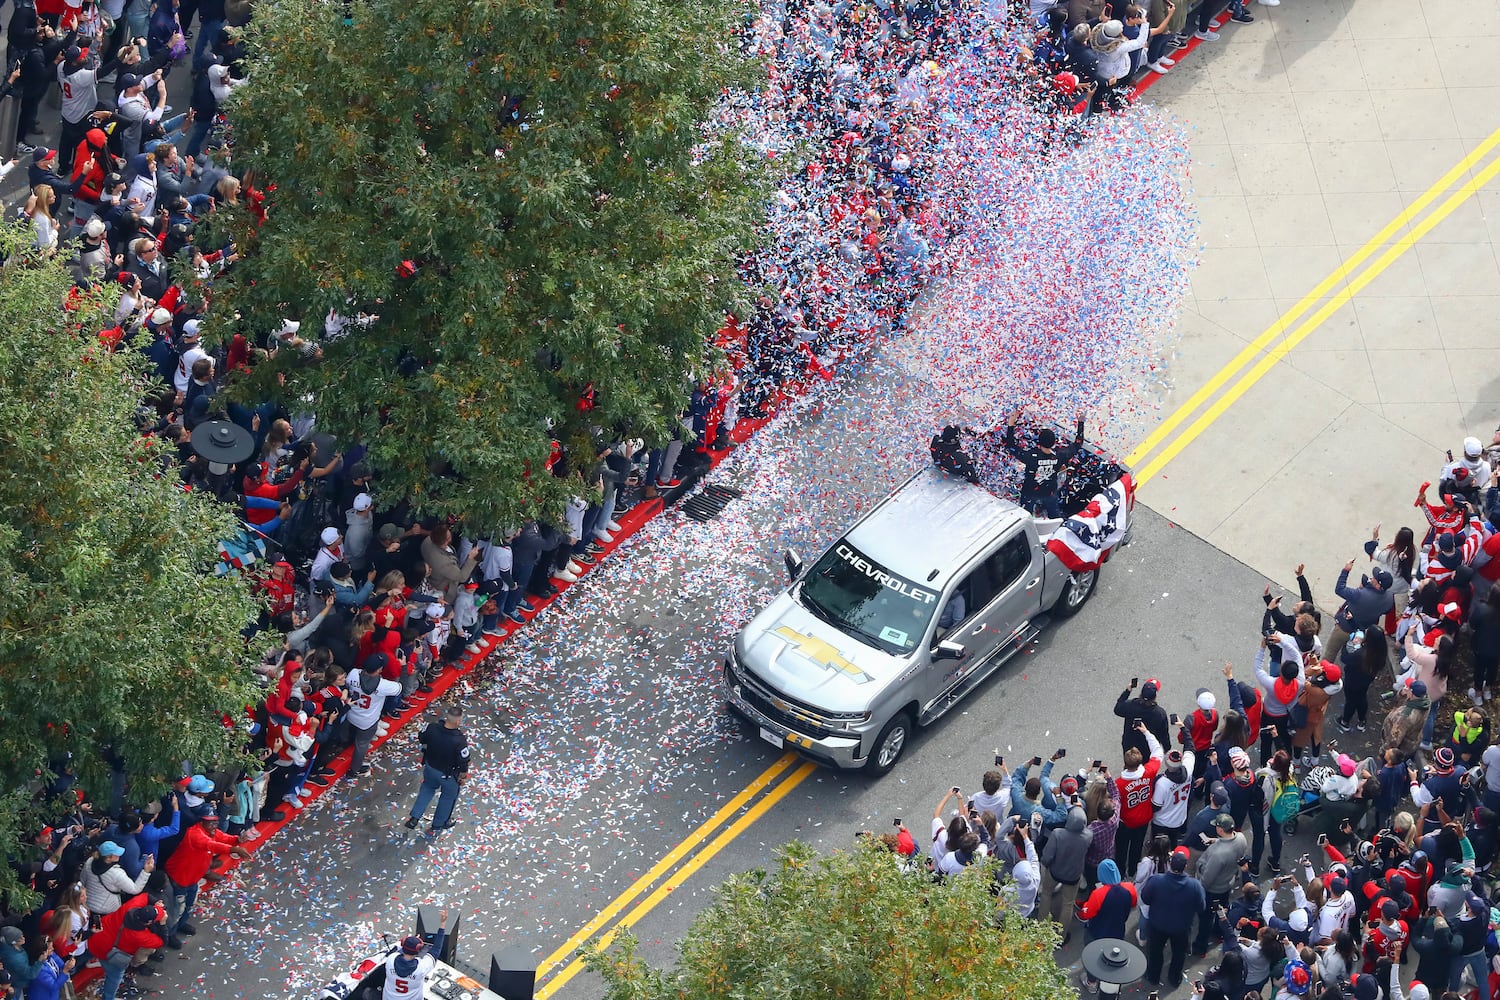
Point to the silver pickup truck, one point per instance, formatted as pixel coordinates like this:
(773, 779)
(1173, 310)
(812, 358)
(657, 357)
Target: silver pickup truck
(919, 602)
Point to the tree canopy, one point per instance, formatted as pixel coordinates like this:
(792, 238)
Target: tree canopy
(526, 196)
(120, 651)
(852, 926)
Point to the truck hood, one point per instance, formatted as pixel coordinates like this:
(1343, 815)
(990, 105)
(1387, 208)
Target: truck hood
(798, 654)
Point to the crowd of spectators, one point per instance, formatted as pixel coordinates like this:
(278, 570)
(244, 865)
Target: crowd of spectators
(1184, 835)
(366, 603)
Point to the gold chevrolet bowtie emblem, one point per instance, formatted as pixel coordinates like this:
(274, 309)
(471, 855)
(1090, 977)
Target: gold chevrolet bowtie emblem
(822, 653)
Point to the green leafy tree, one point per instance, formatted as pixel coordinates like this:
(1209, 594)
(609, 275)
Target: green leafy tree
(543, 165)
(117, 644)
(850, 926)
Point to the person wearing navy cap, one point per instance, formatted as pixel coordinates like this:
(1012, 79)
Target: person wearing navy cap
(406, 971)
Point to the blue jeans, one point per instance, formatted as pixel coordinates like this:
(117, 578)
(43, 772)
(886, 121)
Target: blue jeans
(433, 782)
(114, 974)
(208, 36)
(180, 900)
(199, 135)
(1042, 504)
(172, 128)
(1479, 964)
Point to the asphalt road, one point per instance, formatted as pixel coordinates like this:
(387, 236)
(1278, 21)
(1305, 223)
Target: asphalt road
(602, 742)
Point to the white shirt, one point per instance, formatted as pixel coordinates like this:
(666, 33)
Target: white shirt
(999, 803)
(406, 987)
(364, 709)
(184, 373)
(1333, 916)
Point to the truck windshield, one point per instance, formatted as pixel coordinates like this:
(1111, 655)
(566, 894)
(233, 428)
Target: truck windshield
(857, 595)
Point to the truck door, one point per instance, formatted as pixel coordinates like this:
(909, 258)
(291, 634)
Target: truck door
(994, 600)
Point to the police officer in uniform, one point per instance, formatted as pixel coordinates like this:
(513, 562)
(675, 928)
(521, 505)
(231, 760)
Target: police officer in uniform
(445, 766)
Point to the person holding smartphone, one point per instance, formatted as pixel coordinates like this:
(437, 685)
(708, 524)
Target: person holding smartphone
(1031, 794)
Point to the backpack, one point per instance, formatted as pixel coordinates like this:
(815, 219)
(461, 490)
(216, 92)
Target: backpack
(1288, 801)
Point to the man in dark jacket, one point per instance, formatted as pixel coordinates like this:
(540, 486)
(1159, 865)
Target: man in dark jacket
(1176, 899)
(526, 550)
(1362, 608)
(1062, 868)
(1145, 709)
(38, 49)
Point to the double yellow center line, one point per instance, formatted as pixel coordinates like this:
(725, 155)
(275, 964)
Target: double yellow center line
(1354, 278)
(676, 867)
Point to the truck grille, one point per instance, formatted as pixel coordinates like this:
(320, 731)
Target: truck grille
(787, 711)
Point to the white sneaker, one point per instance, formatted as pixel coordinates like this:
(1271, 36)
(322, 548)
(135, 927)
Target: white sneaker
(382, 728)
(473, 647)
(294, 802)
(565, 577)
(611, 525)
(1165, 61)
(305, 792)
(1157, 67)
(1206, 36)
(575, 568)
(1270, 3)
(604, 537)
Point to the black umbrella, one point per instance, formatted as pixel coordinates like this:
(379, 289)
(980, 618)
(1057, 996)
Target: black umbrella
(221, 444)
(1114, 963)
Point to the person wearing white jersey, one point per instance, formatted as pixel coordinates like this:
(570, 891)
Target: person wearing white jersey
(406, 971)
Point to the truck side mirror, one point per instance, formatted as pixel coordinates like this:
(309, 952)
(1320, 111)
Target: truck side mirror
(947, 651)
(793, 563)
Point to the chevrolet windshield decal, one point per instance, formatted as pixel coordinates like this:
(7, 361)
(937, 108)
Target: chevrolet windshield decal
(885, 579)
(821, 653)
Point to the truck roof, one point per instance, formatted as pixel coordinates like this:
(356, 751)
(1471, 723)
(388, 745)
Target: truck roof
(932, 525)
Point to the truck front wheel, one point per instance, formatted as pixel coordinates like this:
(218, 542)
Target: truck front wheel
(892, 740)
(1079, 588)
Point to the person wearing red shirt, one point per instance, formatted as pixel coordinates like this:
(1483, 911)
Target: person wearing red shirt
(279, 588)
(127, 939)
(1135, 784)
(1387, 937)
(186, 868)
(258, 484)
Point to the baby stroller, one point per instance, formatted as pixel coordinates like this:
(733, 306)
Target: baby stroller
(1309, 792)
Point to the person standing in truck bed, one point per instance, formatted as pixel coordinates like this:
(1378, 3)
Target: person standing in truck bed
(1041, 467)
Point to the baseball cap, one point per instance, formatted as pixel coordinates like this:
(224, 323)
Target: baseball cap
(1298, 977)
(1150, 688)
(95, 228)
(110, 849)
(200, 785)
(42, 154)
(1338, 886)
(1224, 821)
(128, 80)
(363, 502)
(161, 316)
(1297, 920)
(330, 535)
(1472, 447)
(411, 945)
(1179, 860)
(192, 328)
(74, 53)
(1206, 701)
(389, 532)
(1346, 765)
(1390, 910)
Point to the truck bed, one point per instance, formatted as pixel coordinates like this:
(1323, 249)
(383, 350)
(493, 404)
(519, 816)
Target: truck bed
(981, 457)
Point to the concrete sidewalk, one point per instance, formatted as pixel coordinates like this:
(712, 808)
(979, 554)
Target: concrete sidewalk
(1312, 128)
